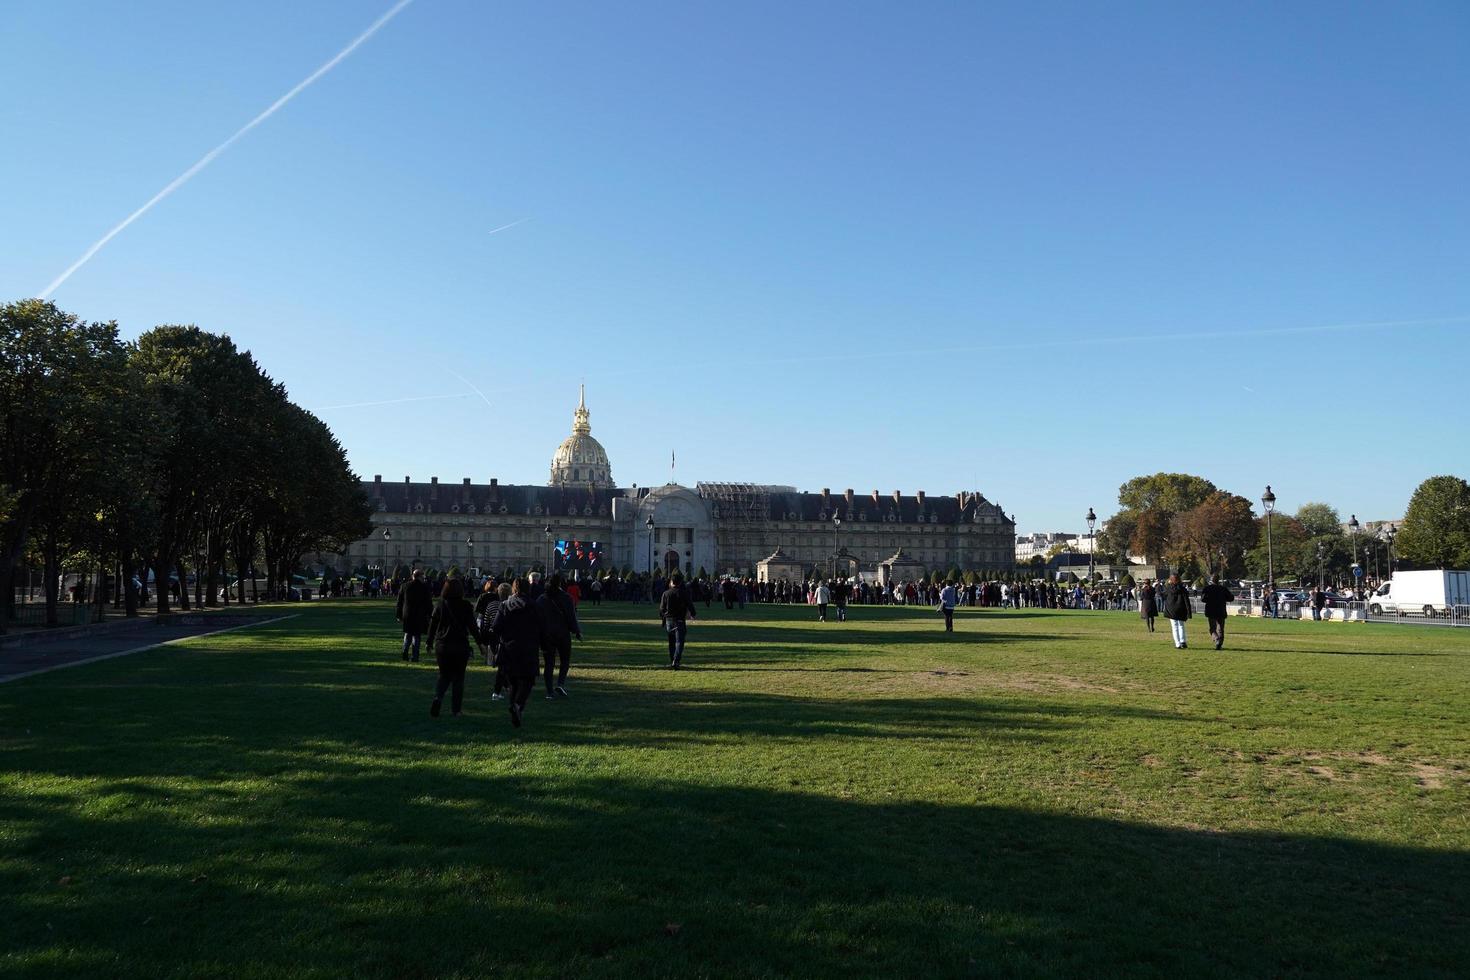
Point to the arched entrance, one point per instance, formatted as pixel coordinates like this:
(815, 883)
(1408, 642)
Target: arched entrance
(671, 561)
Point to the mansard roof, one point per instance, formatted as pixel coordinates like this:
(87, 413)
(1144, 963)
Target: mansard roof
(907, 509)
(457, 498)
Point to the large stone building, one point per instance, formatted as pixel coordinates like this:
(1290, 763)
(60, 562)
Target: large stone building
(719, 527)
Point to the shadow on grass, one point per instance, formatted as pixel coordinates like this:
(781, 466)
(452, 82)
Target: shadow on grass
(432, 871)
(200, 827)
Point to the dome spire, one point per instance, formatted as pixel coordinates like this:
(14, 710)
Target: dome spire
(581, 418)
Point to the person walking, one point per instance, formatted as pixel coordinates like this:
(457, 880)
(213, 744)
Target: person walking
(1148, 604)
(822, 595)
(492, 643)
(451, 626)
(558, 625)
(415, 605)
(841, 590)
(516, 627)
(485, 606)
(948, 599)
(1216, 597)
(1319, 601)
(1177, 609)
(675, 609)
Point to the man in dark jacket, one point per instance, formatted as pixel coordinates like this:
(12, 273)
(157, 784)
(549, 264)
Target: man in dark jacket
(1177, 609)
(415, 606)
(1215, 597)
(517, 629)
(558, 625)
(675, 608)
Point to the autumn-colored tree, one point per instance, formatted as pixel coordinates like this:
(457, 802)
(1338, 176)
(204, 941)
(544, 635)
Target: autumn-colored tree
(1216, 533)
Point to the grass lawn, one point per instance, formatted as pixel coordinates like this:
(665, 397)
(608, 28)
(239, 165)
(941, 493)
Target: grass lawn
(1052, 793)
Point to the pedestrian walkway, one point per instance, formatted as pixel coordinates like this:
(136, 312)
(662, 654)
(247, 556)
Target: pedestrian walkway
(46, 655)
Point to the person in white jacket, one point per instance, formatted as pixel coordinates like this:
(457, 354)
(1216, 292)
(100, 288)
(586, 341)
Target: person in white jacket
(948, 599)
(823, 596)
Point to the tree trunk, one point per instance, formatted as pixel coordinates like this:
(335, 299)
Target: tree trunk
(160, 584)
(183, 585)
(52, 562)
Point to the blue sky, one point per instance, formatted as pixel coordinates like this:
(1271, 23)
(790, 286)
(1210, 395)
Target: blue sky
(1032, 249)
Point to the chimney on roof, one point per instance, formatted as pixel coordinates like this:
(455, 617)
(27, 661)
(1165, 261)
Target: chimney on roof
(897, 498)
(407, 480)
(826, 498)
(494, 482)
(433, 488)
(847, 496)
(876, 498)
(377, 479)
(921, 499)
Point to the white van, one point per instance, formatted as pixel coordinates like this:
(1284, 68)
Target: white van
(1423, 593)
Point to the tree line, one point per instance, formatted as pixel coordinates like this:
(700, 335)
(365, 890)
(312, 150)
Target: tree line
(1195, 527)
(172, 453)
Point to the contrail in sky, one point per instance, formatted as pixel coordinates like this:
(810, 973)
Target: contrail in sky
(208, 158)
(503, 227)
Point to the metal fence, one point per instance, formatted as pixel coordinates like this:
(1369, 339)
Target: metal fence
(67, 614)
(1353, 612)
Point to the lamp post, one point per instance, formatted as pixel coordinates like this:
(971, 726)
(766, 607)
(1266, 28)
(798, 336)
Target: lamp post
(1353, 528)
(469, 542)
(649, 524)
(1393, 532)
(1268, 500)
(550, 552)
(1091, 547)
(836, 542)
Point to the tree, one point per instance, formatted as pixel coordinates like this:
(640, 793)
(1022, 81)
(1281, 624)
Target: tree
(1318, 519)
(1436, 528)
(1149, 504)
(58, 379)
(1289, 544)
(1216, 533)
(1169, 492)
(1151, 533)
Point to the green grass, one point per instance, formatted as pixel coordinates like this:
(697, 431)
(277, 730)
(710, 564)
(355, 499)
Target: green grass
(1041, 793)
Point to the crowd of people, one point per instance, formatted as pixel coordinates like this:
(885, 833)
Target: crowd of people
(524, 627)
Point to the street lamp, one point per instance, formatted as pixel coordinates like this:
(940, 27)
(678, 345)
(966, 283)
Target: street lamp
(388, 536)
(1268, 500)
(1393, 532)
(550, 553)
(836, 541)
(469, 542)
(1353, 527)
(649, 524)
(1091, 546)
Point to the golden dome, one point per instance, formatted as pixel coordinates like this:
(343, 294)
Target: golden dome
(580, 460)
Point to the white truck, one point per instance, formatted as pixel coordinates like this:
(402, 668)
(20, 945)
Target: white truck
(1421, 593)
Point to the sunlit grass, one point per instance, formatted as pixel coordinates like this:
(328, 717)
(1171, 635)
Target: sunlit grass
(1041, 792)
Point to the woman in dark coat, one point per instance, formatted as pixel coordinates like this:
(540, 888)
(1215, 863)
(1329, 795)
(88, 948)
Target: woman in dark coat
(451, 628)
(1148, 604)
(1177, 609)
(516, 627)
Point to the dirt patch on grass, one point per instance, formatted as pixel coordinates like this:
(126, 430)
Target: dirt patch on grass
(1350, 766)
(1429, 776)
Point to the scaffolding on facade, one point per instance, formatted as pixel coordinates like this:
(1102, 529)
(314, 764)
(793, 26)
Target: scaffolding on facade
(738, 503)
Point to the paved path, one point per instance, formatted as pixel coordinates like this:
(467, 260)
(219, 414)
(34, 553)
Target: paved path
(40, 657)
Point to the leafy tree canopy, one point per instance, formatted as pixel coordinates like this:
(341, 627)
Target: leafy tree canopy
(1436, 528)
